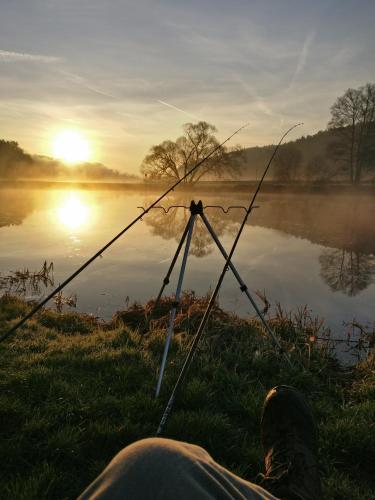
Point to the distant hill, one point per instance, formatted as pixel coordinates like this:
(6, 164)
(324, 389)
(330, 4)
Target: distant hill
(313, 149)
(15, 163)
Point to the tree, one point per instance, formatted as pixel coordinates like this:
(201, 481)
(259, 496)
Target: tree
(11, 158)
(317, 169)
(352, 117)
(287, 163)
(173, 159)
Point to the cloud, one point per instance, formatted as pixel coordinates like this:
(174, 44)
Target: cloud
(8, 56)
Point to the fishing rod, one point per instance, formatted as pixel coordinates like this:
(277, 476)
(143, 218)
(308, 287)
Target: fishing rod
(123, 231)
(214, 295)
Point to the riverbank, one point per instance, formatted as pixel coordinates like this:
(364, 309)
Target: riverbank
(74, 391)
(202, 187)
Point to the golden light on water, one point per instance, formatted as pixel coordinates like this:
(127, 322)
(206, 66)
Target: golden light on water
(71, 146)
(73, 212)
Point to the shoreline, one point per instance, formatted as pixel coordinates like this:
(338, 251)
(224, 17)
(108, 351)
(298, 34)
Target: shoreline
(202, 187)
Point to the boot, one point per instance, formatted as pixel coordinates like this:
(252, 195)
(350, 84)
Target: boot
(289, 438)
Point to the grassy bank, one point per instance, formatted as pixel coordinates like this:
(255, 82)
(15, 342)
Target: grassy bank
(75, 391)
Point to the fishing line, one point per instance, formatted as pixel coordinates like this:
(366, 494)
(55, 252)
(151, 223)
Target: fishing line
(107, 245)
(207, 312)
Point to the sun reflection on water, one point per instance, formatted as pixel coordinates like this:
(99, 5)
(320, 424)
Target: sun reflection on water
(74, 212)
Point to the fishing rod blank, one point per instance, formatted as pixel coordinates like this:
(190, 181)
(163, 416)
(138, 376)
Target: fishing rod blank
(107, 245)
(214, 295)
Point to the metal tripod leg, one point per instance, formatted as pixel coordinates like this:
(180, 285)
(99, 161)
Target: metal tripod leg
(243, 287)
(175, 257)
(175, 305)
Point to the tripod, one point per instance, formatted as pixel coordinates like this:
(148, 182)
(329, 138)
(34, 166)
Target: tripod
(196, 209)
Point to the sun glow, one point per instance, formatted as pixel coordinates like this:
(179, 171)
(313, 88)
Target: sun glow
(71, 147)
(73, 213)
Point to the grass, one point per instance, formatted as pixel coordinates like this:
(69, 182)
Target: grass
(74, 391)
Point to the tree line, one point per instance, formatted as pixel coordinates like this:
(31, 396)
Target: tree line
(15, 163)
(348, 156)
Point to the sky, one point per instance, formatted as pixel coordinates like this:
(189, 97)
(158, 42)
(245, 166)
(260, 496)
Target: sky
(129, 74)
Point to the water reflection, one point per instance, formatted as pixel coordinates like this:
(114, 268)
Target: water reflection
(71, 209)
(172, 224)
(347, 271)
(342, 225)
(342, 222)
(73, 212)
(15, 206)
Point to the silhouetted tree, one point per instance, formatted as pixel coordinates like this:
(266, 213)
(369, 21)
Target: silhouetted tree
(352, 117)
(287, 163)
(173, 159)
(11, 158)
(347, 271)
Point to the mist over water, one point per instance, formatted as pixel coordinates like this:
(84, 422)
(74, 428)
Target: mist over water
(313, 249)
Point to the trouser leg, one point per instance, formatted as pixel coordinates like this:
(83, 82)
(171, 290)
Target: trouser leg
(159, 468)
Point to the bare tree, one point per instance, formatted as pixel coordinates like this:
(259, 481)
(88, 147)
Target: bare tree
(287, 163)
(172, 160)
(352, 117)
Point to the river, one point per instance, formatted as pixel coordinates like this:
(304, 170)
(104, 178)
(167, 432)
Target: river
(310, 249)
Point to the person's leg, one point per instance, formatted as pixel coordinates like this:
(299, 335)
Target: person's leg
(289, 437)
(164, 469)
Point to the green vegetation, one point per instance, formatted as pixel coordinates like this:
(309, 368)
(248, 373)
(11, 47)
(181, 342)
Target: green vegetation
(75, 391)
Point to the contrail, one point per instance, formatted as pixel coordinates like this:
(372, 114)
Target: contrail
(259, 101)
(6, 55)
(82, 82)
(303, 55)
(178, 109)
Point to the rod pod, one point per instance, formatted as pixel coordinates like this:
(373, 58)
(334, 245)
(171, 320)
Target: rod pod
(196, 209)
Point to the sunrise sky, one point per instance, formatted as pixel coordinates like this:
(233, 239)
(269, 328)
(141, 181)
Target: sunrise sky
(128, 74)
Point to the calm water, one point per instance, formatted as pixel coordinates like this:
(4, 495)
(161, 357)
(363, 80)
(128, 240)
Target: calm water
(299, 249)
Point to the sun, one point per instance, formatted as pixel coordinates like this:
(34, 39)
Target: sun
(71, 147)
